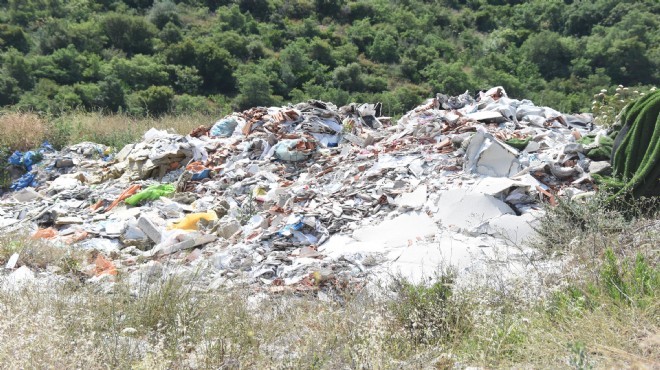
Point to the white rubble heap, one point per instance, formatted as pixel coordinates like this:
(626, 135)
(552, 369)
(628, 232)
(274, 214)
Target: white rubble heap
(312, 195)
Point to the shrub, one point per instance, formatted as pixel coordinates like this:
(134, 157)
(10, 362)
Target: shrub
(164, 12)
(187, 104)
(431, 314)
(572, 219)
(629, 282)
(155, 100)
(606, 106)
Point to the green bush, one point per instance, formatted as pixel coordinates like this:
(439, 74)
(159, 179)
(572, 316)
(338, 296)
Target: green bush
(189, 104)
(155, 100)
(164, 12)
(554, 53)
(131, 34)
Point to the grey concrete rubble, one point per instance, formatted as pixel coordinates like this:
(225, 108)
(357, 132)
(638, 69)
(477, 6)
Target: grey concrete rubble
(279, 196)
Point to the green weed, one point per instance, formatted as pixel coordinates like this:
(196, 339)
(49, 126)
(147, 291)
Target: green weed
(431, 314)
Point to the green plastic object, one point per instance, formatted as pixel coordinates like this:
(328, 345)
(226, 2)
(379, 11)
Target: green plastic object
(600, 153)
(636, 151)
(519, 144)
(151, 193)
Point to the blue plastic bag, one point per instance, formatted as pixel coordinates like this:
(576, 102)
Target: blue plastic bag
(46, 147)
(29, 158)
(24, 181)
(294, 223)
(201, 175)
(26, 159)
(224, 127)
(16, 158)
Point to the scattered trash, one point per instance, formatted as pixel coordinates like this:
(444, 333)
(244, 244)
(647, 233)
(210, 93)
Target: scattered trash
(104, 266)
(26, 159)
(306, 194)
(123, 196)
(190, 221)
(294, 150)
(151, 193)
(47, 233)
(198, 170)
(224, 127)
(29, 179)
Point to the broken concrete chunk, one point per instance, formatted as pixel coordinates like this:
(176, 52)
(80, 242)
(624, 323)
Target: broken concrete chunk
(26, 195)
(600, 167)
(397, 231)
(414, 200)
(124, 152)
(486, 116)
(488, 156)
(228, 228)
(533, 146)
(514, 230)
(185, 244)
(191, 240)
(496, 186)
(68, 220)
(134, 236)
(572, 148)
(467, 210)
(150, 229)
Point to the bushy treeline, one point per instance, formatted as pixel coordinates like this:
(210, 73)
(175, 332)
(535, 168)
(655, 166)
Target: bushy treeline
(151, 57)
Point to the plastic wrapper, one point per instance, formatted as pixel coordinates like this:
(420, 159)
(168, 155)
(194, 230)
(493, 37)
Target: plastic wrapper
(190, 221)
(29, 179)
(151, 193)
(224, 127)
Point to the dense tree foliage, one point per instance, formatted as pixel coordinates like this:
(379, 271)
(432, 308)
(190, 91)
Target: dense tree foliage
(157, 56)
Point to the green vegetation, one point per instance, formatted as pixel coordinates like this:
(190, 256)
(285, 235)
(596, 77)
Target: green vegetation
(636, 157)
(153, 57)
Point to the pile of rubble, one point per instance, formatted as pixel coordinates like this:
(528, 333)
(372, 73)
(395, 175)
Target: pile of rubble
(308, 195)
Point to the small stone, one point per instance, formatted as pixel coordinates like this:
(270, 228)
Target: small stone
(600, 167)
(64, 163)
(227, 229)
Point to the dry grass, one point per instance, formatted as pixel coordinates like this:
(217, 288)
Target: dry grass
(25, 131)
(22, 131)
(172, 326)
(119, 129)
(39, 254)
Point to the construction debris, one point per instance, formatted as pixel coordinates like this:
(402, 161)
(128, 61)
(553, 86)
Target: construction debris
(269, 196)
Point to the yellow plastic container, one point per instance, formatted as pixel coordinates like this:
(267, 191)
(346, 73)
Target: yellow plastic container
(190, 221)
